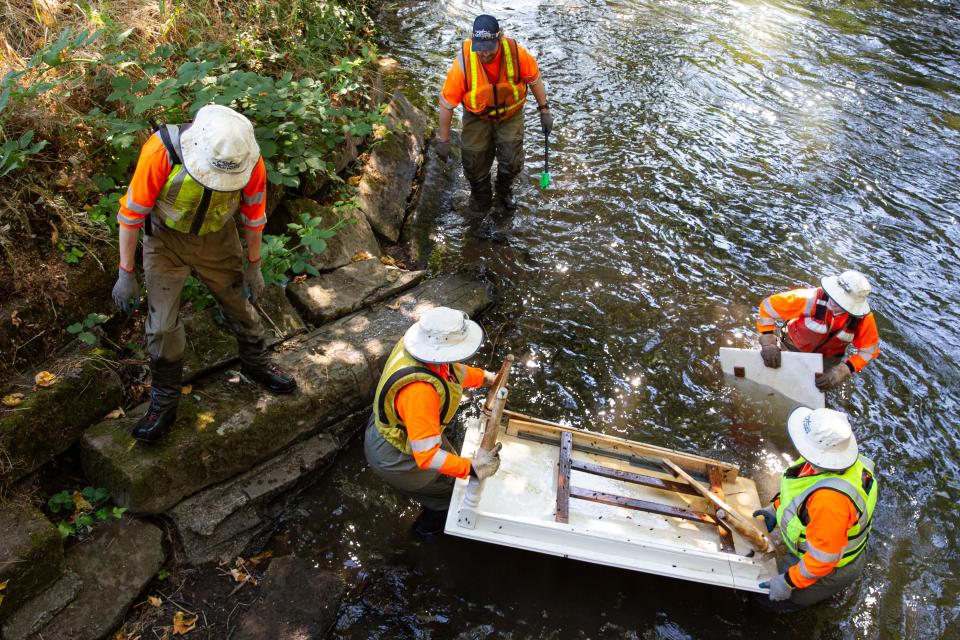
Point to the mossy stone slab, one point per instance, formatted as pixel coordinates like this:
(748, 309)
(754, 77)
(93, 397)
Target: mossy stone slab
(332, 295)
(50, 420)
(230, 426)
(31, 555)
(391, 167)
(351, 239)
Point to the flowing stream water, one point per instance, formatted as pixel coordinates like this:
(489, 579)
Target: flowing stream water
(706, 154)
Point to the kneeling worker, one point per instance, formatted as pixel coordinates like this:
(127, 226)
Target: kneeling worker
(825, 319)
(416, 399)
(824, 510)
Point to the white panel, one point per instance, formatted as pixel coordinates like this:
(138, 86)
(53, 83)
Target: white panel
(517, 508)
(794, 379)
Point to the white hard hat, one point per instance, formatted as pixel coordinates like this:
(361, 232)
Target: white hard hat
(849, 290)
(443, 335)
(219, 149)
(823, 437)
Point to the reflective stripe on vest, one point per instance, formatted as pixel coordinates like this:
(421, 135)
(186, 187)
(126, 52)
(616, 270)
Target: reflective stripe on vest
(402, 369)
(498, 101)
(792, 513)
(810, 332)
(184, 204)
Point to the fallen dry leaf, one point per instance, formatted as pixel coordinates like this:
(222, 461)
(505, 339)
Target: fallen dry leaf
(13, 400)
(242, 576)
(360, 256)
(260, 557)
(354, 180)
(14, 320)
(81, 503)
(116, 413)
(3, 585)
(299, 278)
(154, 601)
(186, 389)
(392, 262)
(45, 379)
(183, 624)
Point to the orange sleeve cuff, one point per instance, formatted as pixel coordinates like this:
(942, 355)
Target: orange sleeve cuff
(529, 70)
(453, 87)
(474, 378)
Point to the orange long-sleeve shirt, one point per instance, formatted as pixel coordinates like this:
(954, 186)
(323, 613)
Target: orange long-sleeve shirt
(787, 305)
(418, 405)
(831, 515)
(455, 86)
(153, 169)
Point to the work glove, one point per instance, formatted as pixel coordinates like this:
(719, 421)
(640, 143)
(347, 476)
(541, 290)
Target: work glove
(485, 463)
(833, 378)
(779, 589)
(769, 350)
(126, 292)
(769, 517)
(488, 378)
(546, 122)
(253, 283)
(442, 147)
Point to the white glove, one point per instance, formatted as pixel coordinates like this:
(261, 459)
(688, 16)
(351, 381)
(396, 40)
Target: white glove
(485, 463)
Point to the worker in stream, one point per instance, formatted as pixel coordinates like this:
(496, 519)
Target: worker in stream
(490, 77)
(416, 400)
(825, 319)
(189, 182)
(824, 510)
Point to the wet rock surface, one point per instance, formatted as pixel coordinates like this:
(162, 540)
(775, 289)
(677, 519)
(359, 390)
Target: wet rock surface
(335, 294)
(235, 425)
(113, 566)
(217, 523)
(297, 602)
(392, 166)
(31, 555)
(38, 612)
(351, 239)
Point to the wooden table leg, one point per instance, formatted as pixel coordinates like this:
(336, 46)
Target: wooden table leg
(716, 488)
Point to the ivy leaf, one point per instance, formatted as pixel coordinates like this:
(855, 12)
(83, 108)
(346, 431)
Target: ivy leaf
(76, 327)
(87, 338)
(65, 530)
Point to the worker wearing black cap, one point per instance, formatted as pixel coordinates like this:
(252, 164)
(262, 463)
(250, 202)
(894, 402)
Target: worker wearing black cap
(490, 77)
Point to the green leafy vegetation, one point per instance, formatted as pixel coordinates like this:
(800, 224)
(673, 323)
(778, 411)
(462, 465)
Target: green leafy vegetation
(79, 511)
(75, 110)
(82, 329)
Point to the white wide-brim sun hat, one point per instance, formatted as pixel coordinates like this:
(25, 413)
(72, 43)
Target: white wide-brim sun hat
(823, 437)
(219, 148)
(849, 290)
(443, 335)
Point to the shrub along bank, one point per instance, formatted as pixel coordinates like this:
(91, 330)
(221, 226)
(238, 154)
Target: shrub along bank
(85, 83)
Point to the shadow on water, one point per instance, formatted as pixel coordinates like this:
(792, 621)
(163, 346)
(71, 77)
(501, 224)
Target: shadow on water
(706, 153)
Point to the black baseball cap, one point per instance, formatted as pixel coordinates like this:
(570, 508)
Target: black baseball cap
(486, 33)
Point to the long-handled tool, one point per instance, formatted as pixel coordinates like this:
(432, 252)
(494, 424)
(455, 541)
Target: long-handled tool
(545, 174)
(725, 512)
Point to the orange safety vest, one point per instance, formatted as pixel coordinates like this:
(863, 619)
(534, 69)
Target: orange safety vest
(813, 331)
(489, 101)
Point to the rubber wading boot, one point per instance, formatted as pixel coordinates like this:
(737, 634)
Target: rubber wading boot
(164, 396)
(505, 196)
(430, 522)
(480, 199)
(256, 365)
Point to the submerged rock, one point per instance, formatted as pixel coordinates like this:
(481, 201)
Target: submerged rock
(297, 602)
(235, 425)
(335, 294)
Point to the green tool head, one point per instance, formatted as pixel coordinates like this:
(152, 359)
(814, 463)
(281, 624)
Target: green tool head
(544, 179)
